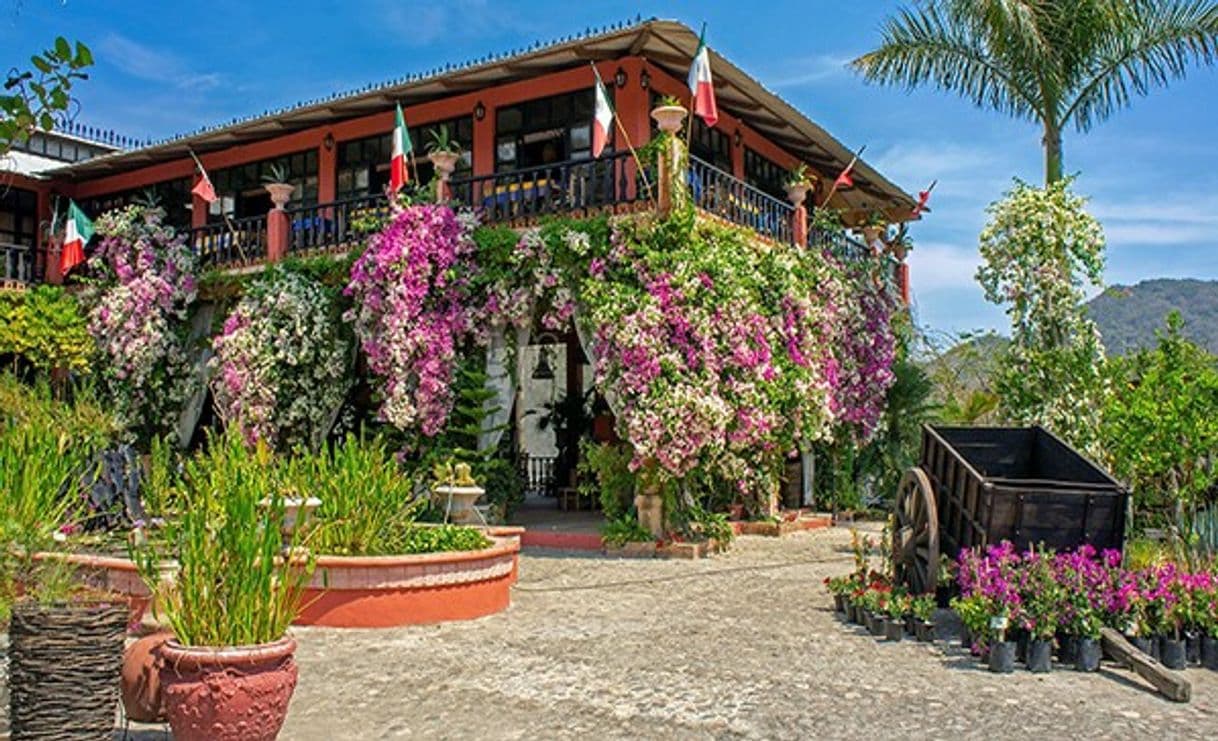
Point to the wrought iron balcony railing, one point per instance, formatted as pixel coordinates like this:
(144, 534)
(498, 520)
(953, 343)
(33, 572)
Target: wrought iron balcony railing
(722, 194)
(231, 242)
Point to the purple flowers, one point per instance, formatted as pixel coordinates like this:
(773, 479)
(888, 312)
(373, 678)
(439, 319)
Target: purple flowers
(1076, 592)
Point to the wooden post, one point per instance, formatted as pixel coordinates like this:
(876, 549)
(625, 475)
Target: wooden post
(1170, 684)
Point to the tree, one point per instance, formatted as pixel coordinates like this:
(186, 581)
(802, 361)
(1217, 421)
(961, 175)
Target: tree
(33, 98)
(1038, 249)
(1161, 427)
(1058, 63)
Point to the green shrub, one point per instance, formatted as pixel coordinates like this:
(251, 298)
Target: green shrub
(604, 472)
(44, 325)
(624, 529)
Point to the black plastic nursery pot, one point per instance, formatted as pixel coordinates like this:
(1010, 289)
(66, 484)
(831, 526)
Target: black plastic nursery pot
(925, 632)
(1040, 655)
(1172, 652)
(1209, 652)
(1021, 645)
(839, 603)
(1192, 646)
(852, 613)
(1088, 655)
(1067, 649)
(875, 624)
(911, 624)
(1144, 644)
(966, 638)
(894, 630)
(1002, 657)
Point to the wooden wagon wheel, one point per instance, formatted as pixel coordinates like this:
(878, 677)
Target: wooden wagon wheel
(915, 536)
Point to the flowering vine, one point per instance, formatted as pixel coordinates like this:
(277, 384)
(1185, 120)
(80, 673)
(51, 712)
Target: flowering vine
(280, 369)
(411, 311)
(142, 285)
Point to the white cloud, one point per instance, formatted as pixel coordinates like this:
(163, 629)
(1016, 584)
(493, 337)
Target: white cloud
(154, 65)
(810, 70)
(1159, 218)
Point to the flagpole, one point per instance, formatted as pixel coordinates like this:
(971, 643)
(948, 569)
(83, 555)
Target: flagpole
(232, 229)
(625, 136)
(693, 93)
(849, 167)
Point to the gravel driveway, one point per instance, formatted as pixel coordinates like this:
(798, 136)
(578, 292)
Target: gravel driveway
(743, 645)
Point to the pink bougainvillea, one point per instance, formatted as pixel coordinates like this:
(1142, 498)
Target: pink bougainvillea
(864, 348)
(141, 287)
(411, 312)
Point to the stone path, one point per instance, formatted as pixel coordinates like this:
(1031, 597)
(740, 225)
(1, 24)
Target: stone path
(741, 646)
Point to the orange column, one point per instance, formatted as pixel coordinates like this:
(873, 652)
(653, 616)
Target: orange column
(484, 142)
(633, 101)
(327, 169)
(276, 235)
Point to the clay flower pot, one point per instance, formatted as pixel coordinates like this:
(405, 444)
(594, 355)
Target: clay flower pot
(669, 117)
(281, 193)
(228, 694)
(140, 681)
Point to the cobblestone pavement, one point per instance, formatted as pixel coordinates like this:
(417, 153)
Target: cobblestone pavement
(741, 646)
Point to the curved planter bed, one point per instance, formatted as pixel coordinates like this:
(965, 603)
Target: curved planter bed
(387, 591)
(367, 591)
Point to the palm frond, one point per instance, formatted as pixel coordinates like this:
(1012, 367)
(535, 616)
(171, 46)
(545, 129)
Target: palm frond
(1153, 44)
(933, 45)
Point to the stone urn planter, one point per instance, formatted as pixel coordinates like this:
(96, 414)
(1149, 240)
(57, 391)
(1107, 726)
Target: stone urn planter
(458, 502)
(444, 162)
(669, 117)
(228, 694)
(281, 193)
(797, 193)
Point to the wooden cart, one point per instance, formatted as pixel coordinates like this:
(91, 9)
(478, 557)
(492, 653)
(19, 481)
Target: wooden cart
(976, 486)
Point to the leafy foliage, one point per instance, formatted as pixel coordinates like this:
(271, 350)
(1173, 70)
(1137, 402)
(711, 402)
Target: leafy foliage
(44, 326)
(1161, 426)
(36, 98)
(1056, 62)
(231, 588)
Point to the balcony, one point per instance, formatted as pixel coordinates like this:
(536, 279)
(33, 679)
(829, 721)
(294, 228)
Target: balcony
(19, 264)
(611, 184)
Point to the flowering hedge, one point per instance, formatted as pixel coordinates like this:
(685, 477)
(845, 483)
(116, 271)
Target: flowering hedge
(281, 365)
(141, 287)
(865, 350)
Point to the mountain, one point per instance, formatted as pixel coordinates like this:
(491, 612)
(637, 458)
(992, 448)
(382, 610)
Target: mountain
(1129, 316)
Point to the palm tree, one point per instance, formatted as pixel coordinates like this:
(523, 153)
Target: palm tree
(1055, 62)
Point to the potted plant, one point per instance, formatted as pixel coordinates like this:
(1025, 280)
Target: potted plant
(1209, 633)
(799, 182)
(901, 243)
(228, 672)
(873, 228)
(443, 151)
(669, 114)
(923, 609)
(1084, 629)
(974, 612)
(1043, 597)
(276, 183)
(897, 607)
(840, 587)
(1002, 650)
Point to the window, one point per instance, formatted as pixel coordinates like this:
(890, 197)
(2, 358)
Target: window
(241, 192)
(544, 131)
(764, 175)
(363, 164)
(171, 195)
(18, 216)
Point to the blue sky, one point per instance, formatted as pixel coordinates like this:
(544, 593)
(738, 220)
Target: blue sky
(1151, 171)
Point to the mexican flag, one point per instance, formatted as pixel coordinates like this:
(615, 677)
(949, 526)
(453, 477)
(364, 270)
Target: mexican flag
(77, 234)
(602, 118)
(700, 83)
(399, 175)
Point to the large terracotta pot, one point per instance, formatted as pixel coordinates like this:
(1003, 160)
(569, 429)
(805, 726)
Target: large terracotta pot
(141, 679)
(228, 694)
